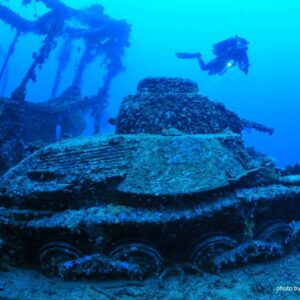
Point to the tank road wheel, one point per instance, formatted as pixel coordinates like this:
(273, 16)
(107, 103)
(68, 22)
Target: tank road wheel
(142, 254)
(277, 232)
(51, 255)
(211, 247)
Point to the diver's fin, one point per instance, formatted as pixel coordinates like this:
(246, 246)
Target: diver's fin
(188, 55)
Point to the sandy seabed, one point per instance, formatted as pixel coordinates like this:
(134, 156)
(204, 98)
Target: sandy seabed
(278, 279)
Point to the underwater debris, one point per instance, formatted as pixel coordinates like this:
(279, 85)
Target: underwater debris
(164, 103)
(180, 271)
(150, 200)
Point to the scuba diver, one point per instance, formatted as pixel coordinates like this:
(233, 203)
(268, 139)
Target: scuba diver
(228, 53)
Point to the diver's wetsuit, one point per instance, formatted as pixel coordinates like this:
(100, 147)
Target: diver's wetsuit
(228, 53)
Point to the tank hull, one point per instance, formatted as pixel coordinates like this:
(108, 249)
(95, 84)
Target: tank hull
(165, 194)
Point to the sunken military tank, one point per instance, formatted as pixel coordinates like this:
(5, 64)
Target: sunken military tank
(174, 185)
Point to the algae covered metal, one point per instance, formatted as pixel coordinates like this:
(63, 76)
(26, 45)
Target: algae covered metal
(141, 164)
(133, 203)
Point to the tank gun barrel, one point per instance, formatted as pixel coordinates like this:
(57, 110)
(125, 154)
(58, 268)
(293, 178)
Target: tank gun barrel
(258, 126)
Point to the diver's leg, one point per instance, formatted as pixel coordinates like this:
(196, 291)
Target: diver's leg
(187, 55)
(202, 64)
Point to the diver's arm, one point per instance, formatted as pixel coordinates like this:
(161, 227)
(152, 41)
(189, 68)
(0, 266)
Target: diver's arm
(243, 63)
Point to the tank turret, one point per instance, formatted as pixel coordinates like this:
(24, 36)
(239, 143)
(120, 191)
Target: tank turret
(164, 103)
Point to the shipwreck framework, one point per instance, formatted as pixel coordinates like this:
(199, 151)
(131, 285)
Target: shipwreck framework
(102, 37)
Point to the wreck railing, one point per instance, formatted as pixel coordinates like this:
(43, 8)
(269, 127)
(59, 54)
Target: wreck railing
(102, 36)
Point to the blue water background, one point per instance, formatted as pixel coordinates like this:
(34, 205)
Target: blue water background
(269, 94)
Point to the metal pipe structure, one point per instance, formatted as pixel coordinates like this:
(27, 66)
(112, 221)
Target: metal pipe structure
(103, 37)
(9, 54)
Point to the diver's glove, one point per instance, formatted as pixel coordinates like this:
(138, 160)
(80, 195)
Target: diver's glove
(188, 55)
